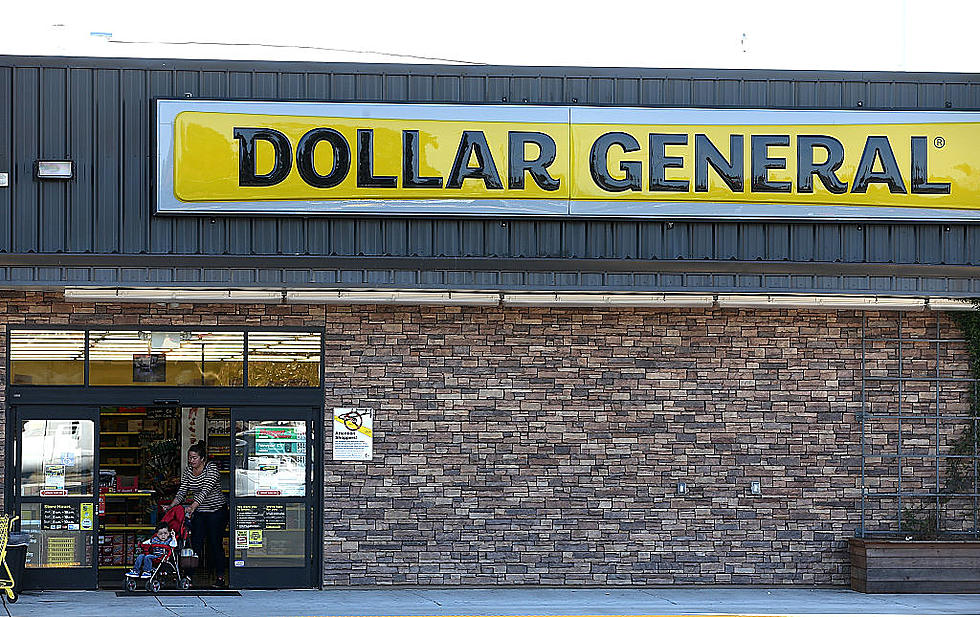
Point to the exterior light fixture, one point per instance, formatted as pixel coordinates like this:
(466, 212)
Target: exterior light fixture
(219, 296)
(756, 487)
(381, 296)
(614, 299)
(4, 179)
(54, 170)
(874, 303)
(682, 488)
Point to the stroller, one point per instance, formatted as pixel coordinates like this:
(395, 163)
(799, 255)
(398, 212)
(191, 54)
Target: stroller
(167, 566)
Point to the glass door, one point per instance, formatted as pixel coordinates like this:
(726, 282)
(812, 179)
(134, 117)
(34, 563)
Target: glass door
(272, 496)
(55, 492)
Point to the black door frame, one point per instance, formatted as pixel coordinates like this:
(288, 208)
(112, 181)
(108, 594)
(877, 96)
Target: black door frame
(273, 577)
(46, 578)
(74, 399)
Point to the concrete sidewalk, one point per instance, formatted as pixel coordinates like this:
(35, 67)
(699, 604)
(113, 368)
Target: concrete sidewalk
(496, 601)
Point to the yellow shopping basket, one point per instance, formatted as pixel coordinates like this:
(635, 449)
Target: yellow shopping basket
(6, 578)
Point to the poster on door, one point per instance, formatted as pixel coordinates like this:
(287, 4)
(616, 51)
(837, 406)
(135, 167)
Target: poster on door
(353, 434)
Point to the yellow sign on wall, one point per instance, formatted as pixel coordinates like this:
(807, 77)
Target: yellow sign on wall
(216, 156)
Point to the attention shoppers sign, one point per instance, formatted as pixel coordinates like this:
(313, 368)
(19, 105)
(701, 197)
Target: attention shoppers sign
(404, 159)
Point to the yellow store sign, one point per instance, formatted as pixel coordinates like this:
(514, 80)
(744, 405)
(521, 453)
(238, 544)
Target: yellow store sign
(308, 158)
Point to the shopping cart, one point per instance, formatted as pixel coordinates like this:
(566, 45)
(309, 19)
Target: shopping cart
(6, 578)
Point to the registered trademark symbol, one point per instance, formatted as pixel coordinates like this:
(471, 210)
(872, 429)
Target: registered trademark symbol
(940, 142)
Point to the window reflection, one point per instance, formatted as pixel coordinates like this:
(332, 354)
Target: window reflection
(285, 359)
(270, 458)
(57, 458)
(134, 358)
(47, 357)
(165, 358)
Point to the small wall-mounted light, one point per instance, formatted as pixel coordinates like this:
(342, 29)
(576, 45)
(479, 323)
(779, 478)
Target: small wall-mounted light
(4, 179)
(682, 488)
(756, 487)
(54, 170)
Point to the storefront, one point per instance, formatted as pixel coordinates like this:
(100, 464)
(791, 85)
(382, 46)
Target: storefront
(103, 418)
(484, 325)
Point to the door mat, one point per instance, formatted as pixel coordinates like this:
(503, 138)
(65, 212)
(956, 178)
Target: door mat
(178, 592)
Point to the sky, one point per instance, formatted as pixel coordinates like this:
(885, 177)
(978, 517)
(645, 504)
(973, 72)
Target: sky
(861, 35)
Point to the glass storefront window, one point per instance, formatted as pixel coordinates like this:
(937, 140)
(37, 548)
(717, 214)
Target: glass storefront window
(60, 534)
(270, 535)
(47, 357)
(270, 458)
(57, 458)
(285, 359)
(143, 358)
(165, 358)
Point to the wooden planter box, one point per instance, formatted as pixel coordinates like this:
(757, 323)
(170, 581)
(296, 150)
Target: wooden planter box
(896, 566)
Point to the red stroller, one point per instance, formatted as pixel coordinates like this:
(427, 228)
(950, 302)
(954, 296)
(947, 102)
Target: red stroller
(166, 567)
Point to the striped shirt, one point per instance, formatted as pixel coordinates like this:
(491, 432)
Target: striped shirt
(206, 488)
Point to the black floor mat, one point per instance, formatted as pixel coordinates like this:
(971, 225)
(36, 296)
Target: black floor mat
(179, 592)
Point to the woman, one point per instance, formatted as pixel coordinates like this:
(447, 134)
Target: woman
(208, 511)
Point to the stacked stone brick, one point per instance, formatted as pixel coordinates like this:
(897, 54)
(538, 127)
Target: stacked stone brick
(543, 446)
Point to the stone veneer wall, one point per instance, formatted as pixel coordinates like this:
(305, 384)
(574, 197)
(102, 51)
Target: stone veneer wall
(543, 446)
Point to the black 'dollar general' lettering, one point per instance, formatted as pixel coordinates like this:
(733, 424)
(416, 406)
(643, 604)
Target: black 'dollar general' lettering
(762, 163)
(247, 173)
(732, 173)
(517, 165)
(659, 162)
(806, 168)
(474, 143)
(599, 163)
(365, 163)
(410, 165)
(920, 171)
(306, 149)
(877, 147)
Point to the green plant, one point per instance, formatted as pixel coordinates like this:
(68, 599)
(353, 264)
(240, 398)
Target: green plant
(921, 522)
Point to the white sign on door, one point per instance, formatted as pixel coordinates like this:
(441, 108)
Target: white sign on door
(353, 434)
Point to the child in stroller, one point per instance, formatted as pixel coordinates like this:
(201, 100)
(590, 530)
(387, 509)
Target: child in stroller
(159, 558)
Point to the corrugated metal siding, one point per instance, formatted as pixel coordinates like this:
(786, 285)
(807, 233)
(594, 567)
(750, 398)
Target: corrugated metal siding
(97, 112)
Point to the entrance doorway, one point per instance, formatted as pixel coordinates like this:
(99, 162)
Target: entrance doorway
(90, 482)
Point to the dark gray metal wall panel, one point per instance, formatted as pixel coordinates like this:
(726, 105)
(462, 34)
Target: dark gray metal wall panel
(135, 169)
(971, 246)
(214, 84)
(24, 213)
(81, 140)
(929, 240)
(53, 131)
(6, 154)
(108, 180)
(240, 84)
(161, 84)
(98, 112)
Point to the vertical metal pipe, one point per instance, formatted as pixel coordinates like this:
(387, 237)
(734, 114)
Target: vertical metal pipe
(864, 415)
(976, 416)
(901, 394)
(938, 385)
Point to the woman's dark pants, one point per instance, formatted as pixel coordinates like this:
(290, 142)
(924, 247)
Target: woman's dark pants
(209, 528)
